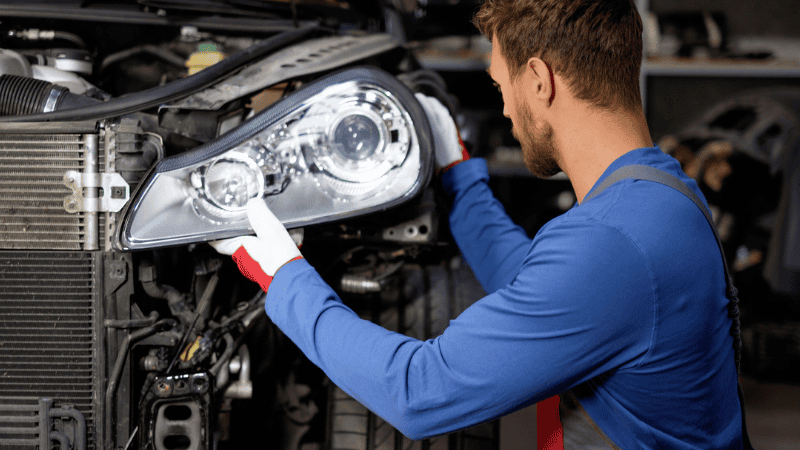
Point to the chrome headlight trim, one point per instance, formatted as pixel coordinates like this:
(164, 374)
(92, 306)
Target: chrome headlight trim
(374, 151)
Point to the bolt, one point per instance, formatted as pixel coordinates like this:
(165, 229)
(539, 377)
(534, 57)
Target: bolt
(163, 387)
(200, 384)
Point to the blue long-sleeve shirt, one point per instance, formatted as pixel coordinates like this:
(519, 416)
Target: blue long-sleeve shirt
(623, 295)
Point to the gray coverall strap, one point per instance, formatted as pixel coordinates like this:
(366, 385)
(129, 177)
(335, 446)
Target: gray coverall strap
(647, 173)
(639, 172)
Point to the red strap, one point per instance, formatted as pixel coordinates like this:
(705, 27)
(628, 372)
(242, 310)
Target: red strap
(549, 432)
(252, 269)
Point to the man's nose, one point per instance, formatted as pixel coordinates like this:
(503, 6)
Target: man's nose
(505, 112)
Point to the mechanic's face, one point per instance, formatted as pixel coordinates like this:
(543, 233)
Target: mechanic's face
(535, 136)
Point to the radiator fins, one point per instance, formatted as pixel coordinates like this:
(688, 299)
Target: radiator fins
(32, 192)
(49, 328)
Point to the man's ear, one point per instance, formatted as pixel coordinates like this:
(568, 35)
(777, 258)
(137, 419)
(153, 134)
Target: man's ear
(542, 80)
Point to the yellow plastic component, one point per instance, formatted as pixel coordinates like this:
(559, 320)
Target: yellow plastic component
(206, 55)
(190, 350)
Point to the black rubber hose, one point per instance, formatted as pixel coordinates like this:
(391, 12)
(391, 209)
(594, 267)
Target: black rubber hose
(79, 442)
(61, 438)
(174, 90)
(226, 355)
(133, 323)
(68, 100)
(23, 95)
(74, 38)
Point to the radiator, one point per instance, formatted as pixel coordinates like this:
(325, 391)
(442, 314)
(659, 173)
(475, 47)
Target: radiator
(50, 289)
(32, 192)
(49, 329)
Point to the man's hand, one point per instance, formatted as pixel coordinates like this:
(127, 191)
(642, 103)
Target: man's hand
(448, 147)
(259, 257)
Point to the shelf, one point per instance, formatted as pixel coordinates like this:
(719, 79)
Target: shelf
(452, 64)
(714, 68)
(455, 53)
(677, 67)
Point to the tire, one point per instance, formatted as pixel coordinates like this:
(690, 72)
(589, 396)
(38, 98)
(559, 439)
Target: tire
(430, 297)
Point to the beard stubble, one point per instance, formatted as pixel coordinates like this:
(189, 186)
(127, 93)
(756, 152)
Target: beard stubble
(538, 145)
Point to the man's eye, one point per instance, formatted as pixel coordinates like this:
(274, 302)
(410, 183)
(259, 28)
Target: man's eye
(498, 87)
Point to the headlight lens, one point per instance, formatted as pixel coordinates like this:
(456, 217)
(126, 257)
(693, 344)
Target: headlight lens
(359, 150)
(356, 137)
(352, 143)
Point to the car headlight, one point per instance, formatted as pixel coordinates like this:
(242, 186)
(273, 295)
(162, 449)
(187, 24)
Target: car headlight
(352, 143)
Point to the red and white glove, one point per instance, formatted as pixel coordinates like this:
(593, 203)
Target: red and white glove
(259, 257)
(448, 147)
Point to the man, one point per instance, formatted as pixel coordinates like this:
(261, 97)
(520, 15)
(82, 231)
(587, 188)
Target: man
(619, 304)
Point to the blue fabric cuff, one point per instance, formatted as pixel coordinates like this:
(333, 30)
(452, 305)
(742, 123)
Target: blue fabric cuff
(465, 174)
(284, 277)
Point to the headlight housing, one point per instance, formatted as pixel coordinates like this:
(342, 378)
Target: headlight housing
(351, 143)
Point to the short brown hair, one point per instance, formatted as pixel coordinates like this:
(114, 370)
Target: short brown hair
(594, 45)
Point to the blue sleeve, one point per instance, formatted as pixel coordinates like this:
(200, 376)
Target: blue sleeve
(492, 244)
(582, 304)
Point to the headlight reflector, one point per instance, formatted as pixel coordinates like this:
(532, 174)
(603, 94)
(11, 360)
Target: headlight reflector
(228, 183)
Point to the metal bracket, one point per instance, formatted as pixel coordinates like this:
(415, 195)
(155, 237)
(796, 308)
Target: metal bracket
(419, 230)
(115, 192)
(177, 406)
(116, 271)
